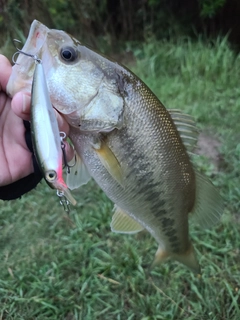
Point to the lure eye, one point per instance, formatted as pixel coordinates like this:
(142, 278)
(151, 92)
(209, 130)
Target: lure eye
(68, 54)
(51, 176)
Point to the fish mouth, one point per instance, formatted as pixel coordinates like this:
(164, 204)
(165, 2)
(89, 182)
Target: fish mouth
(22, 71)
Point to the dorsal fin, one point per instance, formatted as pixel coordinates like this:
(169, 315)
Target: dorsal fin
(186, 127)
(123, 223)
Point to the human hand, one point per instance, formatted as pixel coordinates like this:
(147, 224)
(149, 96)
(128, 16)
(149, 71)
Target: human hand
(15, 157)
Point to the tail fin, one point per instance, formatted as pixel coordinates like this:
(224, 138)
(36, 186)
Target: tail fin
(188, 258)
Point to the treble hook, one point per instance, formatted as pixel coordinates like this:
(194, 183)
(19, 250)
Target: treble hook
(68, 166)
(63, 201)
(16, 41)
(35, 57)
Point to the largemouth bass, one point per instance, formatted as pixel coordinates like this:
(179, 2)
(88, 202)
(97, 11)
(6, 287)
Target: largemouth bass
(127, 141)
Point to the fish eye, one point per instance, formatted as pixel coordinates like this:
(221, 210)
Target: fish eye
(51, 175)
(68, 54)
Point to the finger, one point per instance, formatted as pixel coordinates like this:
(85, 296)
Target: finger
(6, 70)
(21, 105)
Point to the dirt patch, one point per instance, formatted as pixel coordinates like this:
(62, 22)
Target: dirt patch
(208, 146)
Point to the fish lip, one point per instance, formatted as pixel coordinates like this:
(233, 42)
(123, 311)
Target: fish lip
(24, 67)
(36, 38)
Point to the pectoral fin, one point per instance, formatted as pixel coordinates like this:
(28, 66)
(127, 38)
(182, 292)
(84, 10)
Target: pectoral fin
(109, 161)
(123, 223)
(78, 175)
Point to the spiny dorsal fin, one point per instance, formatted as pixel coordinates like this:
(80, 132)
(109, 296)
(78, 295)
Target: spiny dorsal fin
(123, 223)
(78, 175)
(109, 161)
(186, 127)
(208, 206)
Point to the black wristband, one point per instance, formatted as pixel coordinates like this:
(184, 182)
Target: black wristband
(26, 184)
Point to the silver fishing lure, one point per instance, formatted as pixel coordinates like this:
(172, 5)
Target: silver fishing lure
(45, 134)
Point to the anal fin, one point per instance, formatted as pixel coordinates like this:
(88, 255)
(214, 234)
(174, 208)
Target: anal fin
(123, 223)
(160, 256)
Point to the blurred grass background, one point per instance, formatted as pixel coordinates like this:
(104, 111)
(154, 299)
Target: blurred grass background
(55, 266)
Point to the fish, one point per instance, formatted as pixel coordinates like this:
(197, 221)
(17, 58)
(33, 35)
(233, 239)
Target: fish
(136, 150)
(45, 134)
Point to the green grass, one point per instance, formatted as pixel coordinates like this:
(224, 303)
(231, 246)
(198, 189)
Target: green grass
(55, 266)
